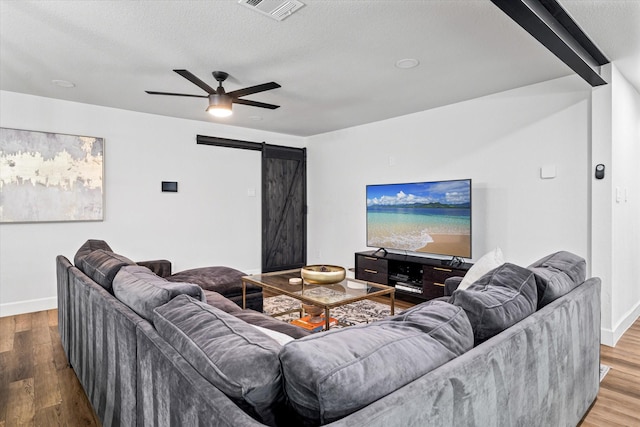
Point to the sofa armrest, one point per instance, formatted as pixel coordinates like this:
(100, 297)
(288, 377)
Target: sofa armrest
(161, 267)
(451, 284)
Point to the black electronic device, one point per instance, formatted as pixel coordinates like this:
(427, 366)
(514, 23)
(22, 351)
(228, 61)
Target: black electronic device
(599, 171)
(170, 186)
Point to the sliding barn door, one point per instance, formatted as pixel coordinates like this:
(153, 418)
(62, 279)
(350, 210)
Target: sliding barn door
(284, 204)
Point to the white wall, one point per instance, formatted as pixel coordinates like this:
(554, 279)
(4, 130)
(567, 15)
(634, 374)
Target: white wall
(210, 221)
(615, 205)
(601, 199)
(625, 171)
(499, 141)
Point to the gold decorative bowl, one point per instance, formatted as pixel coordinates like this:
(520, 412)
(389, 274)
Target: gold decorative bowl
(323, 274)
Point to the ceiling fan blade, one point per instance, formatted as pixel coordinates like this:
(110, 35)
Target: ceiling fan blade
(196, 81)
(150, 92)
(255, 104)
(253, 89)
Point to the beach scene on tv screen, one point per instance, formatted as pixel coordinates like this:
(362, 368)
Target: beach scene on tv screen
(429, 217)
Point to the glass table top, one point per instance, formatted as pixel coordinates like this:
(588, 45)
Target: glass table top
(347, 291)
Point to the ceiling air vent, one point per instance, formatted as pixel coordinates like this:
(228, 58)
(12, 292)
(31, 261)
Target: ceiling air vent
(276, 9)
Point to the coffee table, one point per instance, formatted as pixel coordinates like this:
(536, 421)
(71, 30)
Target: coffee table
(325, 296)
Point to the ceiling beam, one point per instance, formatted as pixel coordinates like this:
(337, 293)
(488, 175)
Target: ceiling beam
(552, 26)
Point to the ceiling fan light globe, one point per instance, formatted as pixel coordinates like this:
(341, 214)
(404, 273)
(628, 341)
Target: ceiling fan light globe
(219, 105)
(219, 111)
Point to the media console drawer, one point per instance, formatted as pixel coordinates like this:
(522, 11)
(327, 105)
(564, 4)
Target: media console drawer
(372, 269)
(437, 275)
(433, 278)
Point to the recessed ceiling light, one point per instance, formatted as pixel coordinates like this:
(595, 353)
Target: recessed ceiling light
(255, 118)
(63, 83)
(407, 63)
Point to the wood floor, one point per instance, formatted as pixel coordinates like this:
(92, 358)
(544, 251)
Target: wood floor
(618, 402)
(38, 388)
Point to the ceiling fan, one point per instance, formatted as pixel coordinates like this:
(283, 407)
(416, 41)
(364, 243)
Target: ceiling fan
(219, 100)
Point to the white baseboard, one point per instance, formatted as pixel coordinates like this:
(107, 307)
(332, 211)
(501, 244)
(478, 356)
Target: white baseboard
(611, 337)
(606, 337)
(14, 308)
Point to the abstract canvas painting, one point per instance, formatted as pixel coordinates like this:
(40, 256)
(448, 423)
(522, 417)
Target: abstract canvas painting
(50, 177)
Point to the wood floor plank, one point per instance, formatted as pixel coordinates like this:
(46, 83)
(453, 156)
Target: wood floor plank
(53, 317)
(40, 328)
(7, 330)
(20, 408)
(23, 322)
(50, 417)
(59, 357)
(20, 363)
(623, 383)
(620, 402)
(76, 409)
(602, 419)
(47, 390)
(4, 385)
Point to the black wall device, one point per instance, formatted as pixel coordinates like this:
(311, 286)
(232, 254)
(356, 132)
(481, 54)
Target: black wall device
(170, 186)
(599, 171)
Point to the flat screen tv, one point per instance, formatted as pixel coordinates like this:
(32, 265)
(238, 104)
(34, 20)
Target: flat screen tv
(428, 217)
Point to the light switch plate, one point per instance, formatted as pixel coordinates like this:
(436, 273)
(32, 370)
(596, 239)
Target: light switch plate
(548, 172)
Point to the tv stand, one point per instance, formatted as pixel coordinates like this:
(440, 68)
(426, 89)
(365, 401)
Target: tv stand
(415, 278)
(381, 249)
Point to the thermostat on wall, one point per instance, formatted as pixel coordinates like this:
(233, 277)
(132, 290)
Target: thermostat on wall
(170, 186)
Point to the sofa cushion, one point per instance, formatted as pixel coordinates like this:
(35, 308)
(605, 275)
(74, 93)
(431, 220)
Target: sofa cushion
(321, 370)
(253, 317)
(268, 322)
(142, 290)
(498, 300)
(237, 358)
(102, 266)
(224, 280)
(220, 302)
(557, 274)
(88, 247)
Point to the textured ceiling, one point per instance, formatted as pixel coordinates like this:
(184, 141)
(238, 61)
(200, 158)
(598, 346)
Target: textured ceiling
(334, 59)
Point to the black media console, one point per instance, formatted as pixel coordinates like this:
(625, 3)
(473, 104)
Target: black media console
(415, 278)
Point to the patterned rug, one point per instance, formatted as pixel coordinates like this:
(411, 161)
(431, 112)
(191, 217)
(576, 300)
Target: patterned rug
(359, 312)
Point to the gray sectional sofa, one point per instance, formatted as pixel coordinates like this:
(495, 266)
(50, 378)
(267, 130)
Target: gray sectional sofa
(518, 347)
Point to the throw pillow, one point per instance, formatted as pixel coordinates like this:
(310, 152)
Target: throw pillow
(88, 247)
(102, 266)
(234, 356)
(498, 300)
(557, 274)
(485, 264)
(320, 369)
(142, 290)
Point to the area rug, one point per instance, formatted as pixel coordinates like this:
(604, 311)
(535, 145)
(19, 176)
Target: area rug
(603, 371)
(359, 312)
